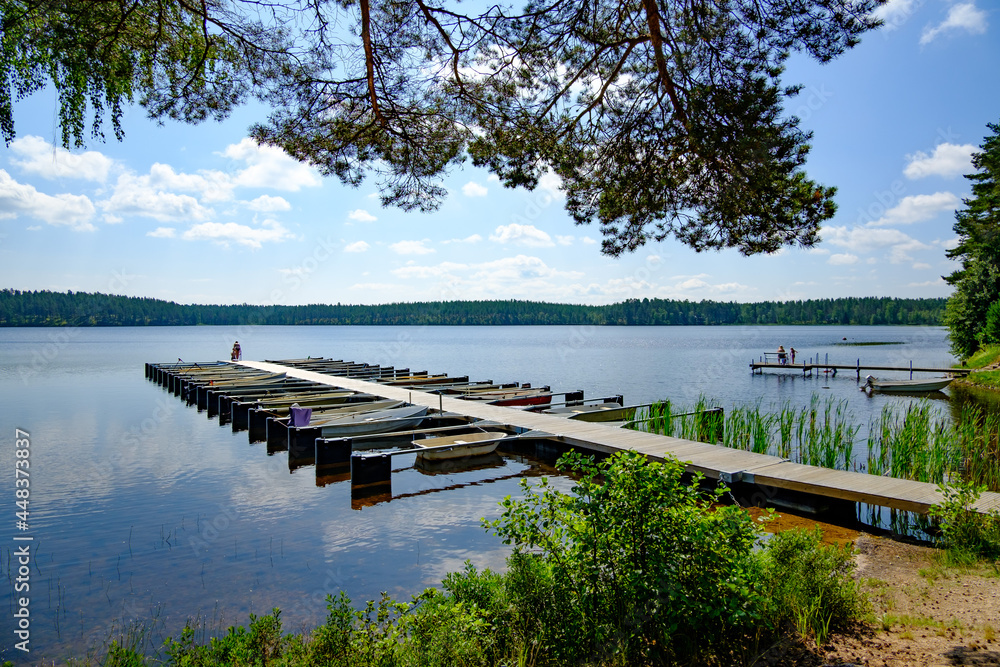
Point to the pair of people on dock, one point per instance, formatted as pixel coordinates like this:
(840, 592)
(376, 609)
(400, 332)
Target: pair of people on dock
(783, 356)
(237, 352)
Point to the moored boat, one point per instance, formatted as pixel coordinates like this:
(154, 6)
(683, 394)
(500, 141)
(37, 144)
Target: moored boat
(903, 386)
(459, 446)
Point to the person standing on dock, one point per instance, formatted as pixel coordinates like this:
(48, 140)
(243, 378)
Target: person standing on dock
(237, 352)
(791, 351)
(782, 356)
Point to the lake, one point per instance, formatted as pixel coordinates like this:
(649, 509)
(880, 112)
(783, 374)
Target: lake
(143, 510)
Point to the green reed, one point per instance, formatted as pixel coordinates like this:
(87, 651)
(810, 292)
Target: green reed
(913, 441)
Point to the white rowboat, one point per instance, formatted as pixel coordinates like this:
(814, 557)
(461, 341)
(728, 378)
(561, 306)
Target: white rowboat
(459, 446)
(901, 386)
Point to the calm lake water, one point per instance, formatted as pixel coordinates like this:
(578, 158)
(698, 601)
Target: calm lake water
(194, 522)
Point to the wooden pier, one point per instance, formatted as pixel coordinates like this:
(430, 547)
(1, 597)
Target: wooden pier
(768, 474)
(808, 367)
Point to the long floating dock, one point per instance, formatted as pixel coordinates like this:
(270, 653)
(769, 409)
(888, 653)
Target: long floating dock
(733, 466)
(808, 367)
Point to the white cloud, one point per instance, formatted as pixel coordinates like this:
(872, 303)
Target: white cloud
(270, 167)
(473, 189)
(964, 16)
(928, 283)
(135, 196)
(74, 211)
(163, 233)
(917, 208)
(551, 184)
(225, 233)
(525, 235)
(900, 252)
(475, 238)
(32, 228)
(895, 12)
(357, 246)
(948, 160)
(564, 240)
(42, 158)
(588, 240)
(268, 203)
(919, 266)
(361, 215)
(415, 271)
(208, 185)
(842, 259)
(816, 250)
(411, 248)
(864, 239)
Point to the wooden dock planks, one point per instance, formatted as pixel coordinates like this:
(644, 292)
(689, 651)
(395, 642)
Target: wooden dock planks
(716, 462)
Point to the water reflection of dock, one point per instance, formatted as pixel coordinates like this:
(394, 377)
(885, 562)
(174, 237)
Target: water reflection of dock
(754, 478)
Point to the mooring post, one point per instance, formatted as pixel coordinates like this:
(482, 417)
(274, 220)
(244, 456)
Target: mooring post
(370, 469)
(302, 444)
(276, 434)
(333, 452)
(911, 369)
(859, 368)
(574, 397)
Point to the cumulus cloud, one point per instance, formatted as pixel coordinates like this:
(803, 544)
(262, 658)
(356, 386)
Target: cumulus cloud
(917, 208)
(564, 240)
(919, 266)
(929, 283)
(948, 160)
(475, 238)
(16, 199)
(895, 12)
(473, 189)
(270, 167)
(37, 156)
(357, 246)
(361, 215)
(411, 248)
(525, 235)
(207, 184)
(842, 259)
(226, 233)
(135, 196)
(163, 233)
(266, 203)
(961, 17)
(867, 239)
(588, 240)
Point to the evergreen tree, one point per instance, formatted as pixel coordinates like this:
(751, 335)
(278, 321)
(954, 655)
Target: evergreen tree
(977, 283)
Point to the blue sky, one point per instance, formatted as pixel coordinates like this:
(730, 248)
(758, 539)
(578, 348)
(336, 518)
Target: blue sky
(200, 214)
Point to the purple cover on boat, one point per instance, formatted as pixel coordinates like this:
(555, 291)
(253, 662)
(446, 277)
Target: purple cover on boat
(300, 416)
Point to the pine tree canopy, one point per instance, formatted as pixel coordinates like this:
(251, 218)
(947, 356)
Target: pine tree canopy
(661, 117)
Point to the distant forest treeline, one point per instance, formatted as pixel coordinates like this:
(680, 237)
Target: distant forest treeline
(43, 308)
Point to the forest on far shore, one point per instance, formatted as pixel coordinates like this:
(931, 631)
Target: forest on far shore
(44, 309)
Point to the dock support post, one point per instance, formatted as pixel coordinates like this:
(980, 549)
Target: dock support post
(302, 445)
(276, 434)
(574, 398)
(333, 452)
(859, 369)
(911, 369)
(370, 469)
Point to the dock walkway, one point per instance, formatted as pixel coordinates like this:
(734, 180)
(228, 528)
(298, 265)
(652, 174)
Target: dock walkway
(716, 462)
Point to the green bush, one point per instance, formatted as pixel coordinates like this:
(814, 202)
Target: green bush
(967, 536)
(635, 566)
(810, 584)
(990, 333)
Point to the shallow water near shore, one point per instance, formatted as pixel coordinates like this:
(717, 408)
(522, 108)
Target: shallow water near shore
(144, 510)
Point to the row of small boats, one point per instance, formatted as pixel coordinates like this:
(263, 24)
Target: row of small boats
(280, 409)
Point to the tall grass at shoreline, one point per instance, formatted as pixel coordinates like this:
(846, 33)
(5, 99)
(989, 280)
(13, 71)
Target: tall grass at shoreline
(915, 441)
